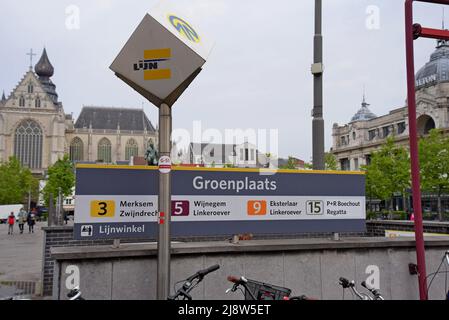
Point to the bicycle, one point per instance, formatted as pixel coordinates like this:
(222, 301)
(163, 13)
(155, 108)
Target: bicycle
(75, 294)
(445, 258)
(191, 283)
(346, 284)
(255, 290)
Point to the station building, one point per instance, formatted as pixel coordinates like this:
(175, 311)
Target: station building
(355, 141)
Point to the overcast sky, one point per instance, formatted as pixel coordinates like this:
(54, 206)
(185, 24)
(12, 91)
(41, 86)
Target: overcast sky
(258, 75)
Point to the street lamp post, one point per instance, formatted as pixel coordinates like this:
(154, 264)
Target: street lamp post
(317, 113)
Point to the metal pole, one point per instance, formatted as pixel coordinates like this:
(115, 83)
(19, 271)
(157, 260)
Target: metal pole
(413, 137)
(29, 200)
(163, 262)
(317, 71)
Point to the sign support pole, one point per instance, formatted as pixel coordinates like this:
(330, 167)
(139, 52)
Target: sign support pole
(317, 71)
(164, 240)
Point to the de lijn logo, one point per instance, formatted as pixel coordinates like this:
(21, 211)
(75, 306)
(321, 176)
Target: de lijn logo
(154, 64)
(184, 28)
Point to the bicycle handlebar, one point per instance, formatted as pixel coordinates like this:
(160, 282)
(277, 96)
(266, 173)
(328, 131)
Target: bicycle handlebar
(345, 283)
(237, 280)
(375, 292)
(187, 286)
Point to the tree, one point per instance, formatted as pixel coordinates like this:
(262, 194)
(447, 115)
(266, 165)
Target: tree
(330, 162)
(16, 182)
(388, 172)
(434, 165)
(60, 175)
(291, 164)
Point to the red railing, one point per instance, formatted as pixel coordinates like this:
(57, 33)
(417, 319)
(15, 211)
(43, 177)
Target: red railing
(413, 32)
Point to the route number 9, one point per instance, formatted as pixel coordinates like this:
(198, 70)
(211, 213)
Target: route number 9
(257, 208)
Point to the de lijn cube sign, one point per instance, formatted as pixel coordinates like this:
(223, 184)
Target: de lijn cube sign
(114, 202)
(163, 55)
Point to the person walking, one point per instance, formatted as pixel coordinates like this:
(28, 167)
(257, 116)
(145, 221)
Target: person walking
(31, 220)
(22, 217)
(11, 221)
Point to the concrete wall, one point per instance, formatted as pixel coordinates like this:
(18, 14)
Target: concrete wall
(307, 266)
(62, 236)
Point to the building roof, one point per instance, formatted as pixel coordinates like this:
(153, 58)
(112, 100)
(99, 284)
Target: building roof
(45, 71)
(44, 68)
(437, 69)
(107, 118)
(364, 113)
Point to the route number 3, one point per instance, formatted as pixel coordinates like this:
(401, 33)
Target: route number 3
(314, 207)
(102, 209)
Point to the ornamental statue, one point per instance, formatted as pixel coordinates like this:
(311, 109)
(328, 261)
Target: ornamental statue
(151, 155)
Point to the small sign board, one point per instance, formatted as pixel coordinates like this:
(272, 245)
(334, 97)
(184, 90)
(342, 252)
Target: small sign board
(163, 55)
(122, 202)
(164, 164)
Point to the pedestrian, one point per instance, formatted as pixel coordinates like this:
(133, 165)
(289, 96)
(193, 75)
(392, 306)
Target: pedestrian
(11, 221)
(31, 220)
(22, 217)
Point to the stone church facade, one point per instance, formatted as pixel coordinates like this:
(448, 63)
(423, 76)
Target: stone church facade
(354, 142)
(35, 129)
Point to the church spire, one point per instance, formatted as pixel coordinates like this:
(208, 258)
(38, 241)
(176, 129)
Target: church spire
(3, 96)
(44, 68)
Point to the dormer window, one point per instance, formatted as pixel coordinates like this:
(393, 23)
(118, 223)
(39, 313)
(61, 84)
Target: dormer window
(30, 88)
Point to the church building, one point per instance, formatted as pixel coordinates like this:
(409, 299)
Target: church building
(35, 129)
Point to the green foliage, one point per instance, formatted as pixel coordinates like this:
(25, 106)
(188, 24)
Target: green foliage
(291, 164)
(434, 162)
(60, 175)
(15, 183)
(434, 165)
(308, 166)
(388, 172)
(330, 162)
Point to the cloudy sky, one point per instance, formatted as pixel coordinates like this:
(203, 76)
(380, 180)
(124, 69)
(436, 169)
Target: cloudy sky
(258, 75)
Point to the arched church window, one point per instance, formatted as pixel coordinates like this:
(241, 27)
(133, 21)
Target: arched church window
(104, 151)
(30, 88)
(28, 144)
(21, 102)
(77, 150)
(131, 149)
(37, 102)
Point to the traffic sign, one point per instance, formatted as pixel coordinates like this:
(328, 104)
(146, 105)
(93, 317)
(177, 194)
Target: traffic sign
(164, 164)
(163, 55)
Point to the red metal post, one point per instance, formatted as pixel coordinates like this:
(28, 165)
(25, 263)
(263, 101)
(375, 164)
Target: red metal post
(413, 137)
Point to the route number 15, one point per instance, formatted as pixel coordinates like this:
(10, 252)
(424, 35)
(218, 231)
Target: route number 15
(314, 207)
